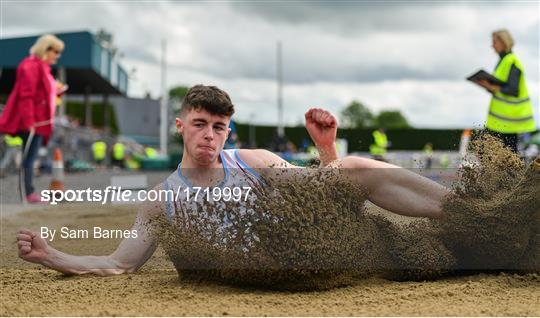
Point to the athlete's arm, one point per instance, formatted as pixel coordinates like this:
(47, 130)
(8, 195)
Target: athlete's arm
(262, 159)
(271, 166)
(322, 128)
(130, 255)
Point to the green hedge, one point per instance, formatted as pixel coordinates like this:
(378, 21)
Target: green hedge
(77, 110)
(360, 139)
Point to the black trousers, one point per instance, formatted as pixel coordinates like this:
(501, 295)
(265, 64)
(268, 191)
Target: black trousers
(509, 140)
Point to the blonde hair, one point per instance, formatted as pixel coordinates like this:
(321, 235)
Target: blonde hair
(506, 38)
(45, 43)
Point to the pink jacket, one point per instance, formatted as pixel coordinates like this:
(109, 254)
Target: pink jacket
(28, 104)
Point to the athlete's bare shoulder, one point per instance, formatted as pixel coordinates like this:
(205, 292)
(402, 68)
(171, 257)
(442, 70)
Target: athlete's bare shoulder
(261, 158)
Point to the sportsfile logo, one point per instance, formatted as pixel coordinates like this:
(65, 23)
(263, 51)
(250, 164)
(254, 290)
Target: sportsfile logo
(109, 194)
(117, 194)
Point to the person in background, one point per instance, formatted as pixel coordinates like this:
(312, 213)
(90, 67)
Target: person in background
(233, 141)
(12, 154)
(444, 161)
(118, 154)
(428, 153)
(290, 150)
(379, 145)
(30, 108)
(305, 145)
(99, 152)
(150, 152)
(510, 109)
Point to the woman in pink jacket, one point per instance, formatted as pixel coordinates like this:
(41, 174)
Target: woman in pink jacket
(30, 108)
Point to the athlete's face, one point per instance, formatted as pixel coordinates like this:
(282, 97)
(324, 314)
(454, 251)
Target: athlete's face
(204, 135)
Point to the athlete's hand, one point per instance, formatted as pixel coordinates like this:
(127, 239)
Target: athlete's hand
(322, 127)
(32, 247)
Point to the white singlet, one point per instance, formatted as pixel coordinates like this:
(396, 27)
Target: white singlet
(190, 212)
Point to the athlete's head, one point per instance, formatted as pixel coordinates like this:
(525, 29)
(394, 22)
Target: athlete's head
(204, 122)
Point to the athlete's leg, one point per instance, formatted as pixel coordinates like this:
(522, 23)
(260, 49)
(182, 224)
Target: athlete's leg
(396, 189)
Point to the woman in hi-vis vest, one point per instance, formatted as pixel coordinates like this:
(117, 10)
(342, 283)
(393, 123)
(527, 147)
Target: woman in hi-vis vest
(510, 110)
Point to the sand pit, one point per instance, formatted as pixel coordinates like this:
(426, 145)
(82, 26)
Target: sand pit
(29, 289)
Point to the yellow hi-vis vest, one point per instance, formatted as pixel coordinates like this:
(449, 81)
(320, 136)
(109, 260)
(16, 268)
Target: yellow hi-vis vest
(13, 141)
(99, 150)
(118, 151)
(510, 114)
(150, 152)
(381, 142)
(428, 150)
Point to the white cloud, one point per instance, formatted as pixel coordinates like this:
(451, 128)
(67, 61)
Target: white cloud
(408, 56)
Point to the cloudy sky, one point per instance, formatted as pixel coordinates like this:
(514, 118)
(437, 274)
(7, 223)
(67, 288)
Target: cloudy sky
(407, 55)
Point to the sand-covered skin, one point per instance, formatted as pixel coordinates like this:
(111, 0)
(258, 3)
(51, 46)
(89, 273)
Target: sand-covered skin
(29, 289)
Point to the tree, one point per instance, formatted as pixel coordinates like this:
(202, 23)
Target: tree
(391, 119)
(357, 115)
(178, 93)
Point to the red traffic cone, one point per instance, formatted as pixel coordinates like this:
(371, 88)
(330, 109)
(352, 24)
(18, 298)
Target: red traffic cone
(57, 182)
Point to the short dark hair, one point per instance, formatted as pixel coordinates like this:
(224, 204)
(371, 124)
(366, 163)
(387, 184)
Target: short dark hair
(208, 98)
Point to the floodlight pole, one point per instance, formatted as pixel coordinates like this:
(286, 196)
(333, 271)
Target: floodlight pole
(62, 78)
(279, 78)
(164, 101)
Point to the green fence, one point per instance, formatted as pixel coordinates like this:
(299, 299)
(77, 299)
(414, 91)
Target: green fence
(77, 110)
(360, 139)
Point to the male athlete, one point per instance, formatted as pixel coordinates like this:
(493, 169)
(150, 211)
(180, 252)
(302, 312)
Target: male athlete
(203, 124)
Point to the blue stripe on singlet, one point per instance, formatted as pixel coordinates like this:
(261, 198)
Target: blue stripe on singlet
(224, 168)
(245, 166)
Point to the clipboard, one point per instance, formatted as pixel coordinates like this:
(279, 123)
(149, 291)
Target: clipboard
(483, 75)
